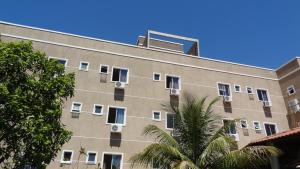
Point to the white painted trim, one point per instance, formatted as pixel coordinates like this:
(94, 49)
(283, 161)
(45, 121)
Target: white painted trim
(247, 126)
(129, 45)
(276, 128)
(268, 94)
(117, 107)
(224, 84)
(166, 121)
(58, 58)
(154, 73)
(116, 67)
(104, 66)
(87, 68)
(252, 90)
(241, 90)
(112, 153)
(72, 107)
(288, 91)
(290, 73)
(87, 158)
(258, 124)
(171, 75)
(94, 108)
(172, 36)
(161, 40)
(62, 157)
(289, 61)
(154, 111)
(108, 138)
(143, 58)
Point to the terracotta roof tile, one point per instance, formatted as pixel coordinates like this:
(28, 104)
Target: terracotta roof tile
(277, 136)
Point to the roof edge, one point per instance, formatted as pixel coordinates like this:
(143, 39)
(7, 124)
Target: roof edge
(130, 45)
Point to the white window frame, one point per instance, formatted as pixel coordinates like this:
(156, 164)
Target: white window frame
(268, 94)
(58, 58)
(87, 158)
(62, 157)
(94, 109)
(154, 111)
(112, 153)
(170, 75)
(236, 135)
(72, 107)
(112, 72)
(276, 128)
(236, 85)
(230, 92)
(288, 90)
(101, 67)
(259, 129)
(117, 107)
(166, 121)
(247, 126)
(252, 90)
(87, 68)
(155, 73)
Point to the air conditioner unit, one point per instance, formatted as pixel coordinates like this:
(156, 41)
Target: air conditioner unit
(116, 128)
(175, 133)
(227, 98)
(120, 85)
(267, 104)
(294, 105)
(174, 92)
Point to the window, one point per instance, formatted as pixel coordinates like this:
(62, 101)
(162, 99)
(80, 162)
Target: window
(120, 75)
(104, 69)
(112, 161)
(156, 115)
(244, 124)
(249, 90)
(173, 82)
(84, 66)
(262, 95)
(270, 129)
(76, 107)
(91, 157)
(256, 125)
(230, 127)
(116, 115)
(60, 60)
(170, 121)
(156, 76)
(291, 90)
(98, 109)
(224, 89)
(237, 88)
(67, 156)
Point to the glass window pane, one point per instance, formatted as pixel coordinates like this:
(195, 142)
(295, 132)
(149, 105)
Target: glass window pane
(170, 121)
(104, 69)
(120, 116)
(116, 74)
(156, 115)
(116, 161)
(98, 109)
(123, 77)
(169, 82)
(175, 83)
(112, 115)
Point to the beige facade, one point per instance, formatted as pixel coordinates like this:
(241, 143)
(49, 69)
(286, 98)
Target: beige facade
(142, 95)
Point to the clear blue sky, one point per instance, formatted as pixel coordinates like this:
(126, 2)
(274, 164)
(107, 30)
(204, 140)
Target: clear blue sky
(257, 32)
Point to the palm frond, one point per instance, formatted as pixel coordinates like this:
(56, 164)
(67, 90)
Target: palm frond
(165, 154)
(215, 149)
(160, 135)
(253, 157)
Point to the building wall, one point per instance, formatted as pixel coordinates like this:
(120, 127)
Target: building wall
(289, 75)
(143, 95)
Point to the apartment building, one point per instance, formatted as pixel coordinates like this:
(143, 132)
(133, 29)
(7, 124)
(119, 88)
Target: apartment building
(120, 88)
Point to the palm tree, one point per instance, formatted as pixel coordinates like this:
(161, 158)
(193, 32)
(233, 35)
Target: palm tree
(199, 141)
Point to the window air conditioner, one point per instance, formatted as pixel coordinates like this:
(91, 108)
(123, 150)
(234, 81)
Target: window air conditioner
(116, 128)
(227, 98)
(267, 104)
(174, 92)
(120, 85)
(294, 105)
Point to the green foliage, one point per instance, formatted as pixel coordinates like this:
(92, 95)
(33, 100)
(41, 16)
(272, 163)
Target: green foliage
(32, 92)
(199, 142)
